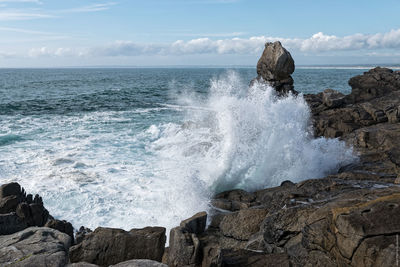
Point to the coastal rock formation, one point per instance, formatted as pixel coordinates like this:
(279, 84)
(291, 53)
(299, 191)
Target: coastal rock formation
(19, 210)
(35, 246)
(368, 119)
(107, 246)
(275, 67)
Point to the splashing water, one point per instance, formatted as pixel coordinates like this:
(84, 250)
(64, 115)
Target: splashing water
(235, 137)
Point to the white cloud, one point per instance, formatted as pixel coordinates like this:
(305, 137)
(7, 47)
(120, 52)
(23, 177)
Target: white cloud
(318, 42)
(89, 8)
(22, 1)
(8, 15)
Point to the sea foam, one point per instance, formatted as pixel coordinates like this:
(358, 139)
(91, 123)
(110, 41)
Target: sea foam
(94, 170)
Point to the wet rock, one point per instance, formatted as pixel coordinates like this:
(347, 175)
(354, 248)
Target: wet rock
(106, 246)
(275, 67)
(35, 246)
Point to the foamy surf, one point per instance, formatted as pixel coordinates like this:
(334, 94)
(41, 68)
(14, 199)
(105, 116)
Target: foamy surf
(95, 170)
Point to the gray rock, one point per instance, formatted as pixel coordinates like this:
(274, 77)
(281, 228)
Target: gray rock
(275, 63)
(275, 67)
(82, 264)
(242, 224)
(35, 246)
(106, 246)
(140, 263)
(184, 248)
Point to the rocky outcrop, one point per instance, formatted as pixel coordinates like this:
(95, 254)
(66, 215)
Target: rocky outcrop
(368, 119)
(275, 67)
(19, 210)
(35, 246)
(107, 246)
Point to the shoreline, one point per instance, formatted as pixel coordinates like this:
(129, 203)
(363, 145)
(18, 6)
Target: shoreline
(351, 218)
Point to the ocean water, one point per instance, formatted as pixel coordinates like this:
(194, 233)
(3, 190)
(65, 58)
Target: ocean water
(138, 147)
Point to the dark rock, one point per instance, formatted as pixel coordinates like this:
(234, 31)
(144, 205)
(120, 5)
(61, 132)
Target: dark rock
(81, 233)
(373, 84)
(11, 223)
(195, 224)
(11, 189)
(332, 98)
(35, 246)
(15, 203)
(243, 258)
(140, 263)
(106, 246)
(275, 67)
(62, 226)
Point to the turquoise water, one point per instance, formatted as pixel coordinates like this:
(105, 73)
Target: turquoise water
(136, 147)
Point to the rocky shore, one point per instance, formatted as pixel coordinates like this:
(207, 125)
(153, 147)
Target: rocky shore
(351, 218)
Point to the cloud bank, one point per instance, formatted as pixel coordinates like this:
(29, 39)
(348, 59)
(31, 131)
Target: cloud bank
(318, 42)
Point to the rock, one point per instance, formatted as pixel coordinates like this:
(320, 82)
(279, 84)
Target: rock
(11, 189)
(184, 244)
(82, 264)
(242, 224)
(140, 263)
(62, 226)
(35, 246)
(275, 63)
(243, 258)
(11, 223)
(106, 246)
(81, 233)
(373, 84)
(196, 224)
(18, 210)
(275, 67)
(332, 98)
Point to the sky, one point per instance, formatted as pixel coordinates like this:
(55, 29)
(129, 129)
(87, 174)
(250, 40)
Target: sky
(53, 33)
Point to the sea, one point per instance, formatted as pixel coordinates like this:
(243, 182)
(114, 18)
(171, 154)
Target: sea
(136, 147)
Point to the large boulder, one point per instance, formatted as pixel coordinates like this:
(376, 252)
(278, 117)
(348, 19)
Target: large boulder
(107, 246)
(275, 67)
(184, 244)
(35, 246)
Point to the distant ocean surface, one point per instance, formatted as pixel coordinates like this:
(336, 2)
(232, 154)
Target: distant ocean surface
(139, 147)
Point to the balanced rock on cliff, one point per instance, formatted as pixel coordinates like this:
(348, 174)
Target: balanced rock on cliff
(275, 67)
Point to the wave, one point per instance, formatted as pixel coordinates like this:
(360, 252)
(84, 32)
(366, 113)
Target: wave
(9, 139)
(113, 168)
(246, 138)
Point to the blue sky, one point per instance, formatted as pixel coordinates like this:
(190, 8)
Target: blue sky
(49, 33)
